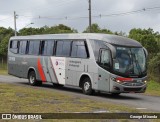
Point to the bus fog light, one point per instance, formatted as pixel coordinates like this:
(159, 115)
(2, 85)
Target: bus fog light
(145, 81)
(116, 88)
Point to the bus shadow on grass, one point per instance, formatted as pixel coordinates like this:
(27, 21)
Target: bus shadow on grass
(76, 90)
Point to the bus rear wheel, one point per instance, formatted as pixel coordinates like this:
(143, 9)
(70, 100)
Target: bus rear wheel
(32, 79)
(87, 86)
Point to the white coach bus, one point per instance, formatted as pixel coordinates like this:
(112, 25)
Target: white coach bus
(94, 62)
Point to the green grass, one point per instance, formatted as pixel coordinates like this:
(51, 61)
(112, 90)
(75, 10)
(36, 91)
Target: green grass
(3, 72)
(25, 99)
(153, 88)
(3, 65)
(33, 99)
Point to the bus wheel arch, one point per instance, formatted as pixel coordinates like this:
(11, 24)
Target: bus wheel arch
(32, 78)
(86, 84)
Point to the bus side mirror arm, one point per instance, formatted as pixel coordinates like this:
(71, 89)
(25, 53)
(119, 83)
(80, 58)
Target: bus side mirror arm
(145, 51)
(113, 50)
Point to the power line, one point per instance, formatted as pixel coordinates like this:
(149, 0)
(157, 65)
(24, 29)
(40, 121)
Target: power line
(60, 3)
(94, 16)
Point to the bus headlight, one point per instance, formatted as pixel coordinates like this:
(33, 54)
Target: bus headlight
(116, 80)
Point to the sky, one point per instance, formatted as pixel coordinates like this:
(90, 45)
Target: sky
(74, 13)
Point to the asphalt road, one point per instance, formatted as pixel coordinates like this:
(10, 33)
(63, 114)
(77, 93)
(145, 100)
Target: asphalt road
(138, 101)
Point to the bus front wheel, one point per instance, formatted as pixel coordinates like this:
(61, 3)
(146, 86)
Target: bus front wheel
(87, 86)
(32, 79)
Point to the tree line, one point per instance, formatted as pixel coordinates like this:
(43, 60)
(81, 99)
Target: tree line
(147, 37)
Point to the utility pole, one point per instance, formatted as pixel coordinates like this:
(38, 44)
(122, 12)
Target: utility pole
(15, 27)
(90, 17)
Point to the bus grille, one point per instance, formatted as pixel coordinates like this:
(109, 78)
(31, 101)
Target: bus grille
(133, 84)
(132, 89)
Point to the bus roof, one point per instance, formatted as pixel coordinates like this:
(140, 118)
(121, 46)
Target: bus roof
(112, 39)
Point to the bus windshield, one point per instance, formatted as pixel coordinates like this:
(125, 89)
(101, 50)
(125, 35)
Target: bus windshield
(129, 62)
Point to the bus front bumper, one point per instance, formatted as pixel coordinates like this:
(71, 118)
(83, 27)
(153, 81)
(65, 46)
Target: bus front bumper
(119, 88)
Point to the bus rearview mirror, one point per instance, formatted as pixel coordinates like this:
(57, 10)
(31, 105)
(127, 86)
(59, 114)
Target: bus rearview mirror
(145, 51)
(113, 50)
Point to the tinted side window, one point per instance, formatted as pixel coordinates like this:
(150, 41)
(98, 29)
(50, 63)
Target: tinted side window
(79, 49)
(105, 59)
(50, 47)
(96, 45)
(47, 47)
(31, 47)
(34, 47)
(66, 48)
(59, 48)
(22, 48)
(63, 48)
(14, 44)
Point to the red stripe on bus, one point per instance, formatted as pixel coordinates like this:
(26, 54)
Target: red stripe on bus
(54, 71)
(40, 70)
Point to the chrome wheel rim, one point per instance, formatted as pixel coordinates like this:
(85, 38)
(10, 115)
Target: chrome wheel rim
(86, 86)
(32, 79)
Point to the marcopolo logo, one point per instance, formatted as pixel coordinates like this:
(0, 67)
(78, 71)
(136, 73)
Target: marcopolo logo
(59, 62)
(56, 63)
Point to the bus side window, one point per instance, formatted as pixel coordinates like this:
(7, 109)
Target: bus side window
(47, 47)
(34, 47)
(79, 49)
(66, 48)
(50, 47)
(14, 46)
(27, 47)
(63, 48)
(22, 47)
(11, 44)
(30, 48)
(105, 59)
(43, 47)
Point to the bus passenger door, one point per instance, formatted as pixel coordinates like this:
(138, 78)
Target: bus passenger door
(103, 80)
(103, 74)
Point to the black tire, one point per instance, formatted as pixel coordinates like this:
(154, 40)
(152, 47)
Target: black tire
(32, 79)
(57, 85)
(87, 86)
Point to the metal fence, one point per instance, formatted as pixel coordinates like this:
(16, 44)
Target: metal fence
(3, 63)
